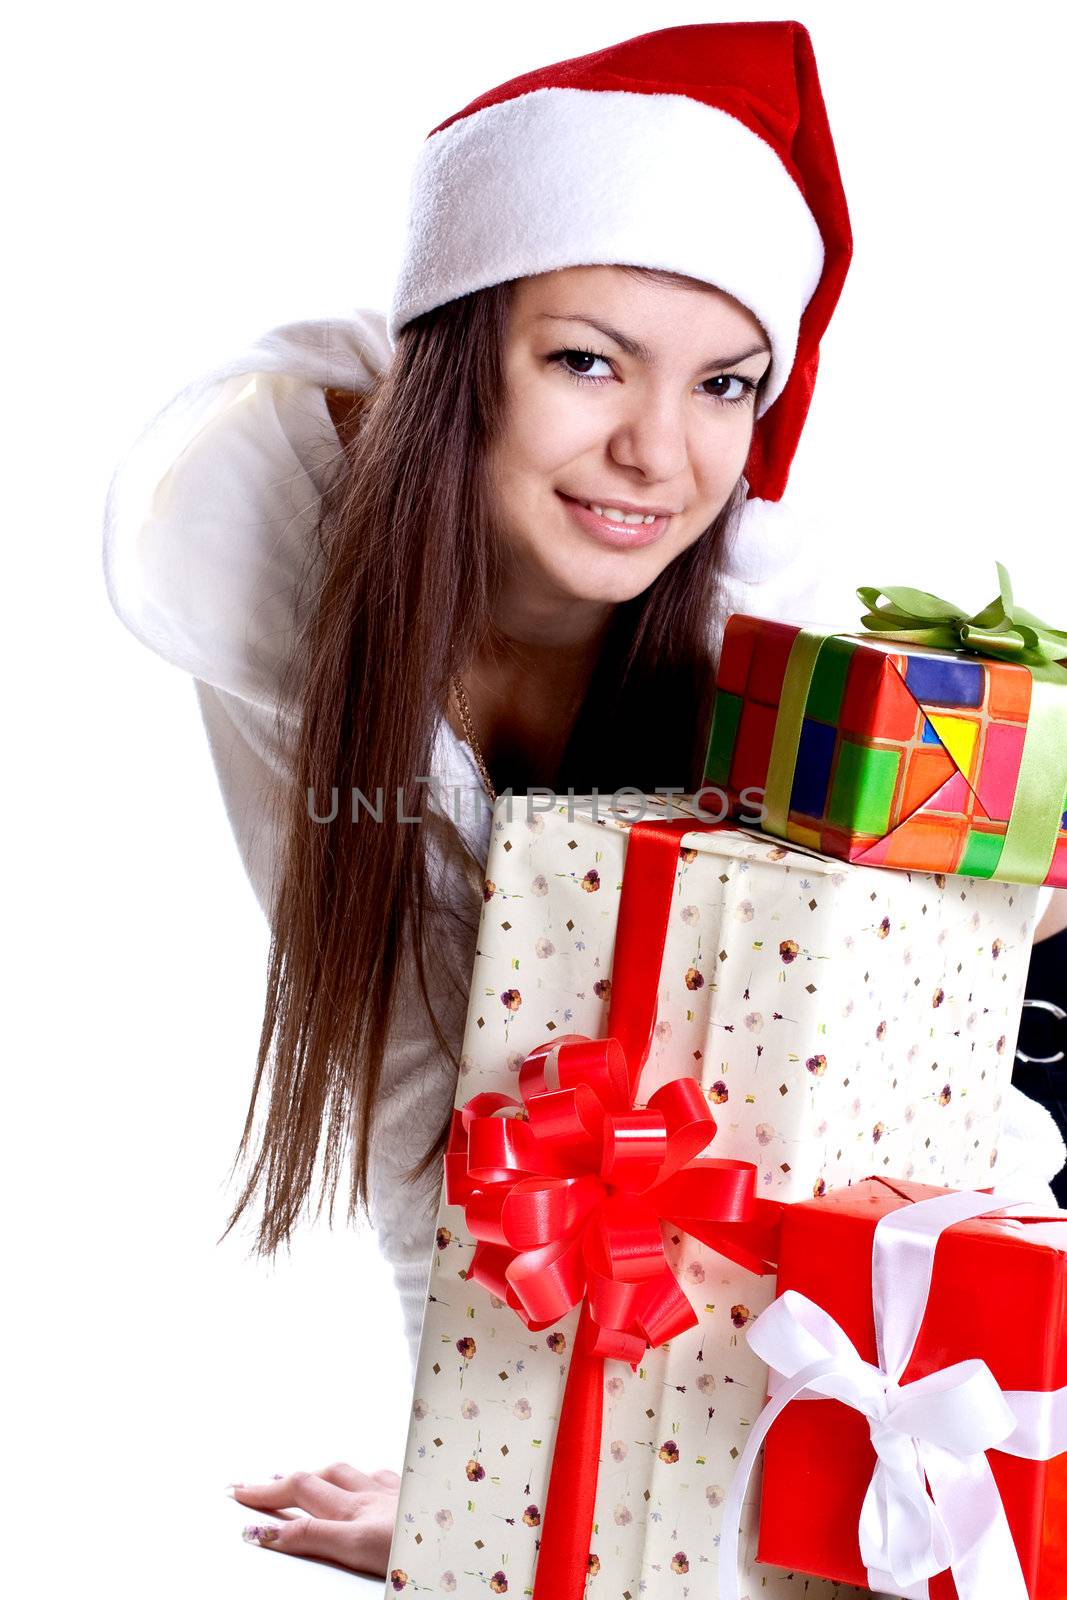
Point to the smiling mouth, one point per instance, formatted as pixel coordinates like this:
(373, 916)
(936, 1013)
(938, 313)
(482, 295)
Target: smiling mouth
(610, 513)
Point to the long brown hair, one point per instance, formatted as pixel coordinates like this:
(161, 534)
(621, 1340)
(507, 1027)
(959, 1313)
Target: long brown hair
(400, 590)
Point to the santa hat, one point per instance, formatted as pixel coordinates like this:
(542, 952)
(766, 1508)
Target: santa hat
(703, 150)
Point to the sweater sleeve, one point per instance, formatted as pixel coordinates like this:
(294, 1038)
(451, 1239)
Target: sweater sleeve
(418, 1084)
(209, 550)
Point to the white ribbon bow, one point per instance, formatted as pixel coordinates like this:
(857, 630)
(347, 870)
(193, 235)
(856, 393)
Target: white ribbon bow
(936, 1429)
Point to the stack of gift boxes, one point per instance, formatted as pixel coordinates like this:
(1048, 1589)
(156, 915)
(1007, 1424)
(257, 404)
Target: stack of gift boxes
(702, 1060)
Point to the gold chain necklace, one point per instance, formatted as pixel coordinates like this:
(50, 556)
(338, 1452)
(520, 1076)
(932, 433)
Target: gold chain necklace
(468, 729)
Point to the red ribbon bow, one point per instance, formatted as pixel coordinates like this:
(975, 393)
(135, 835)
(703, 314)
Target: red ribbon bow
(567, 1198)
(566, 1193)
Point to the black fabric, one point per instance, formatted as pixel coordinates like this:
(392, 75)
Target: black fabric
(1043, 1034)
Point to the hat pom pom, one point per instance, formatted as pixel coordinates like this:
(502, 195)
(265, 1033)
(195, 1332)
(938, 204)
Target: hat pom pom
(767, 536)
(772, 568)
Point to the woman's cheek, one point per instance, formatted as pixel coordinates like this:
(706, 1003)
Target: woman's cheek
(569, 422)
(737, 444)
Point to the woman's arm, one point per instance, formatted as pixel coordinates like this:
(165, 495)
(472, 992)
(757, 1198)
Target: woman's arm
(1055, 917)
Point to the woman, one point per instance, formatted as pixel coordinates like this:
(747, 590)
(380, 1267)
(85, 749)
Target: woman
(489, 545)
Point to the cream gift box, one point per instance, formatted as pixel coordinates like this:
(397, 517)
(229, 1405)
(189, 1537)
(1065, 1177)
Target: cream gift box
(842, 1020)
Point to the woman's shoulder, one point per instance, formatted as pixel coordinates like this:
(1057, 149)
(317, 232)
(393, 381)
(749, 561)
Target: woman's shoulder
(210, 516)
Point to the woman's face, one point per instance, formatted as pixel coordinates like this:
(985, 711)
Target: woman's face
(622, 393)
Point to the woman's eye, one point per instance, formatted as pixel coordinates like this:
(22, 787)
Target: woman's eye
(744, 388)
(585, 356)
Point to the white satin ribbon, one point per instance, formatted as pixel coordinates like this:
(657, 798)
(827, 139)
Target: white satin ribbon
(937, 1428)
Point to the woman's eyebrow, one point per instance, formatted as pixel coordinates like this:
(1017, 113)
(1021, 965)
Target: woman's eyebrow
(634, 347)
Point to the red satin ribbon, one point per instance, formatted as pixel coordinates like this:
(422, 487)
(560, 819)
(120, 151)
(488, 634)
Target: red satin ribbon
(566, 1192)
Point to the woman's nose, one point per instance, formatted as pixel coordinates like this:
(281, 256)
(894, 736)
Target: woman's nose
(651, 438)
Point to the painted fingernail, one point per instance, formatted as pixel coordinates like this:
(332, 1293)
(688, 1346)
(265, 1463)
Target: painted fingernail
(277, 1474)
(255, 1533)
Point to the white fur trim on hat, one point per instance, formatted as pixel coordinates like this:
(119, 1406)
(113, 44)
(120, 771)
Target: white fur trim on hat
(576, 177)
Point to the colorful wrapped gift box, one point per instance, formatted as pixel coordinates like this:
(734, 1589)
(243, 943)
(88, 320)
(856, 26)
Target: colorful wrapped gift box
(908, 756)
(835, 1018)
(939, 1284)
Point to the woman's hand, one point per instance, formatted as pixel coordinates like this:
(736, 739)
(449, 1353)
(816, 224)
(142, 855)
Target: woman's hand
(1055, 918)
(350, 1521)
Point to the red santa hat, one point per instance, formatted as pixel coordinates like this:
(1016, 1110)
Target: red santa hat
(703, 150)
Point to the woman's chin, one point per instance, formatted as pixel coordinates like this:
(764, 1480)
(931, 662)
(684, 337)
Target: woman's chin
(607, 587)
(579, 571)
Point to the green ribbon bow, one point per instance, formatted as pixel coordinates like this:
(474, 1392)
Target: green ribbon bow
(1001, 630)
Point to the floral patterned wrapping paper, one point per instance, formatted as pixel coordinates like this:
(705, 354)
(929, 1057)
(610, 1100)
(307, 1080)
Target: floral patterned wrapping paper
(843, 1021)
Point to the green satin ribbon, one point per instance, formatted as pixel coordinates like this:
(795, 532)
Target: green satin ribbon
(1039, 794)
(782, 766)
(1001, 630)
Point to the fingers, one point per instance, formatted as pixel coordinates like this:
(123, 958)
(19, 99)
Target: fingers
(343, 1542)
(351, 1521)
(309, 1491)
(384, 1478)
(338, 1473)
(346, 1477)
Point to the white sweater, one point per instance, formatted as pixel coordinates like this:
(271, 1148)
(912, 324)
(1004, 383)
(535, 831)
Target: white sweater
(207, 526)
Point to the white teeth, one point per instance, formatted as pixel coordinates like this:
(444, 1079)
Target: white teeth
(611, 514)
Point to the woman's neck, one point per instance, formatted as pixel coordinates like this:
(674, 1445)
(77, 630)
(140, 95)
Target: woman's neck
(531, 612)
(525, 694)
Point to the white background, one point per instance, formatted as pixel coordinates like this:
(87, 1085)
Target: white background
(181, 178)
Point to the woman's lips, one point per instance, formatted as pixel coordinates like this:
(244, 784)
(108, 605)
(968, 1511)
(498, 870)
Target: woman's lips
(620, 535)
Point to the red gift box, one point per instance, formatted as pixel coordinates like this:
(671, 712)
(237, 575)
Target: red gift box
(998, 1295)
